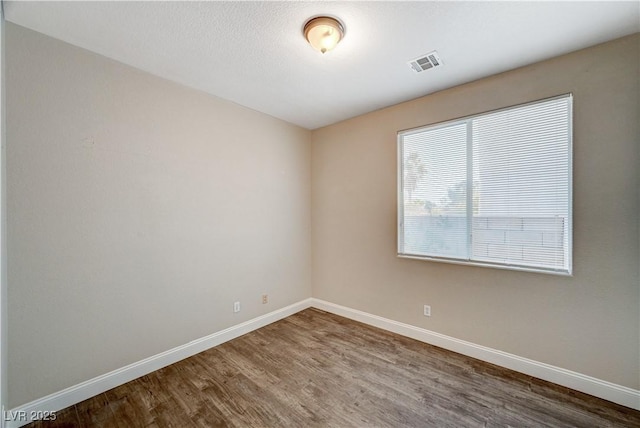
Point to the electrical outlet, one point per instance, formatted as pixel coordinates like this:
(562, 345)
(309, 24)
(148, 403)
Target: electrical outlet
(427, 310)
(236, 307)
(265, 299)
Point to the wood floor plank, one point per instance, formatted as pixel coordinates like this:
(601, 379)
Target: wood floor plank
(315, 369)
(96, 412)
(127, 403)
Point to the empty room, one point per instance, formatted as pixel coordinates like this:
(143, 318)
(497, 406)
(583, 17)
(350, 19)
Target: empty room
(322, 214)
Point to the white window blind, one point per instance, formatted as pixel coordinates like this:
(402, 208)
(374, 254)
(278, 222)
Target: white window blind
(492, 189)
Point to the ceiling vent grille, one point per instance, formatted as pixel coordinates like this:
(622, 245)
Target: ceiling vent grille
(425, 62)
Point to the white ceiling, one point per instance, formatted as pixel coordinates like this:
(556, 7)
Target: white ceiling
(253, 53)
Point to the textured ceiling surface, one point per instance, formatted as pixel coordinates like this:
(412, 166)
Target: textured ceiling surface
(254, 54)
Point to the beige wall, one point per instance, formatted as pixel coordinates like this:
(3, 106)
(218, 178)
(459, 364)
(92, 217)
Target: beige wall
(588, 323)
(3, 216)
(138, 211)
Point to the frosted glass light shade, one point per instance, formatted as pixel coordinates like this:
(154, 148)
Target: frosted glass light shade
(323, 33)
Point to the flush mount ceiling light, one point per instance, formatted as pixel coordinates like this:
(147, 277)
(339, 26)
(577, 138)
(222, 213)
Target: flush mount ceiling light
(323, 33)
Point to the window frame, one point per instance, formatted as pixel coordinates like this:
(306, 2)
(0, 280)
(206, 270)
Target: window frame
(470, 262)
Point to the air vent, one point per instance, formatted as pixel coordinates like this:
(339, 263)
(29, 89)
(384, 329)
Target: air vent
(425, 62)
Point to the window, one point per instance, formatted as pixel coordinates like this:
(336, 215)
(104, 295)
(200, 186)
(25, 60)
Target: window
(492, 189)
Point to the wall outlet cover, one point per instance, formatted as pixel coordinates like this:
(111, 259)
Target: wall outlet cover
(427, 310)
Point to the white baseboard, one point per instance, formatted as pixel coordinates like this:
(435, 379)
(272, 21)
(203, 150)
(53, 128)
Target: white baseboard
(606, 390)
(22, 415)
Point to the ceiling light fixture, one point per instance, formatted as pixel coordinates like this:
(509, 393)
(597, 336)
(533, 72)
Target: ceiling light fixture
(323, 33)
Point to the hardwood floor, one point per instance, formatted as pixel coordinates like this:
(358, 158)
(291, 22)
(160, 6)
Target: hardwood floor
(315, 369)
